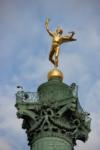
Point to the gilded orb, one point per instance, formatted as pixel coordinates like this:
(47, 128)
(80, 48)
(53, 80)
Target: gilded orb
(55, 73)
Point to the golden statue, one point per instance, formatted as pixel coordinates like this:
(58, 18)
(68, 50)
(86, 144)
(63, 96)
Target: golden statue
(57, 40)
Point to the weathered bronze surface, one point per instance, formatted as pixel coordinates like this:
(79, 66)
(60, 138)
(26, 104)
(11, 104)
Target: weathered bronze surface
(55, 119)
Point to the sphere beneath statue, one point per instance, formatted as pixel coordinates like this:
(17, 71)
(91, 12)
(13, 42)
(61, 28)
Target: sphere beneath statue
(55, 73)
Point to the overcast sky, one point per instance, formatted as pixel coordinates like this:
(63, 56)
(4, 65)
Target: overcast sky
(24, 49)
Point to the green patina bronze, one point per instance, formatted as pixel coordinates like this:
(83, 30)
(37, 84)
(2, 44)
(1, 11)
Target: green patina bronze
(53, 117)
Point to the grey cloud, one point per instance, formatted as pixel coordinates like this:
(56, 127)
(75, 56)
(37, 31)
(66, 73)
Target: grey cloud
(4, 145)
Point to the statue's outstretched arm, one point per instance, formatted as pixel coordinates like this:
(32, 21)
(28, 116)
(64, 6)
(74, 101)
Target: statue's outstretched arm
(68, 38)
(47, 27)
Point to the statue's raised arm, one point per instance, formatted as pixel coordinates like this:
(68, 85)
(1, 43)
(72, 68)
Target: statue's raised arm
(47, 27)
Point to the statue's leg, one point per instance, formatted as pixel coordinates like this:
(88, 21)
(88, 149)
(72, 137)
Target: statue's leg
(56, 56)
(51, 56)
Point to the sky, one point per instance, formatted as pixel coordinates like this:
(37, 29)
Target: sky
(24, 50)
